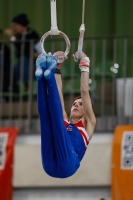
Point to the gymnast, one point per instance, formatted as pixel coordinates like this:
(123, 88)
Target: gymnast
(64, 139)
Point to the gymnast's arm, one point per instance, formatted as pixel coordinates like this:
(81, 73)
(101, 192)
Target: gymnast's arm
(89, 115)
(60, 56)
(87, 105)
(59, 86)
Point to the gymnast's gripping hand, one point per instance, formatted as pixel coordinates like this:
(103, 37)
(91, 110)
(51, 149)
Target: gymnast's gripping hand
(84, 62)
(61, 57)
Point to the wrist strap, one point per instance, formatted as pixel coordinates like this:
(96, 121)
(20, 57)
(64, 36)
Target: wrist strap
(83, 63)
(84, 69)
(85, 59)
(57, 71)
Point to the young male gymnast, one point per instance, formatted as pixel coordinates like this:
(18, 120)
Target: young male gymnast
(63, 142)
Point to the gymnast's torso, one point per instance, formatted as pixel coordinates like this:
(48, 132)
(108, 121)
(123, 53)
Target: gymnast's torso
(79, 137)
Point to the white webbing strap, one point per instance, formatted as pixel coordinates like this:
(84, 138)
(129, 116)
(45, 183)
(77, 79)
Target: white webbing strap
(83, 11)
(81, 36)
(54, 28)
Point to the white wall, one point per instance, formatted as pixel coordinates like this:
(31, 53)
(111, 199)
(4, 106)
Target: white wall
(95, 167)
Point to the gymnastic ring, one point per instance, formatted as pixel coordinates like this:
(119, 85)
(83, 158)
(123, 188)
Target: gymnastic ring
(68, 45)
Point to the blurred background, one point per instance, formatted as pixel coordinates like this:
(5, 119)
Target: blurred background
(108, 42)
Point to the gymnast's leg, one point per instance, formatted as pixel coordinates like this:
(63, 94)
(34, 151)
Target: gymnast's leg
(67, 160)
(47, 145)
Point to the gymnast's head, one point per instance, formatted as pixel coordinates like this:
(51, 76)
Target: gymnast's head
(77, 111)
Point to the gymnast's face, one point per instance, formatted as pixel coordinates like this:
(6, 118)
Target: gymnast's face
(77, 109)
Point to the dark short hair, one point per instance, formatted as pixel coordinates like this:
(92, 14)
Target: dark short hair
(79, 97)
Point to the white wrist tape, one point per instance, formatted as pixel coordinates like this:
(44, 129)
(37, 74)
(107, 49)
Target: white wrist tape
(85, 59)
(84, 64)
(84, 69)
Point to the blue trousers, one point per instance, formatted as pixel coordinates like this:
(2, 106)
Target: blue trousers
(59, 158)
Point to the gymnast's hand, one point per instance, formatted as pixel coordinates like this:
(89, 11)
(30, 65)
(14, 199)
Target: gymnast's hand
(84, 61)
(75, 56)
(61, 57)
